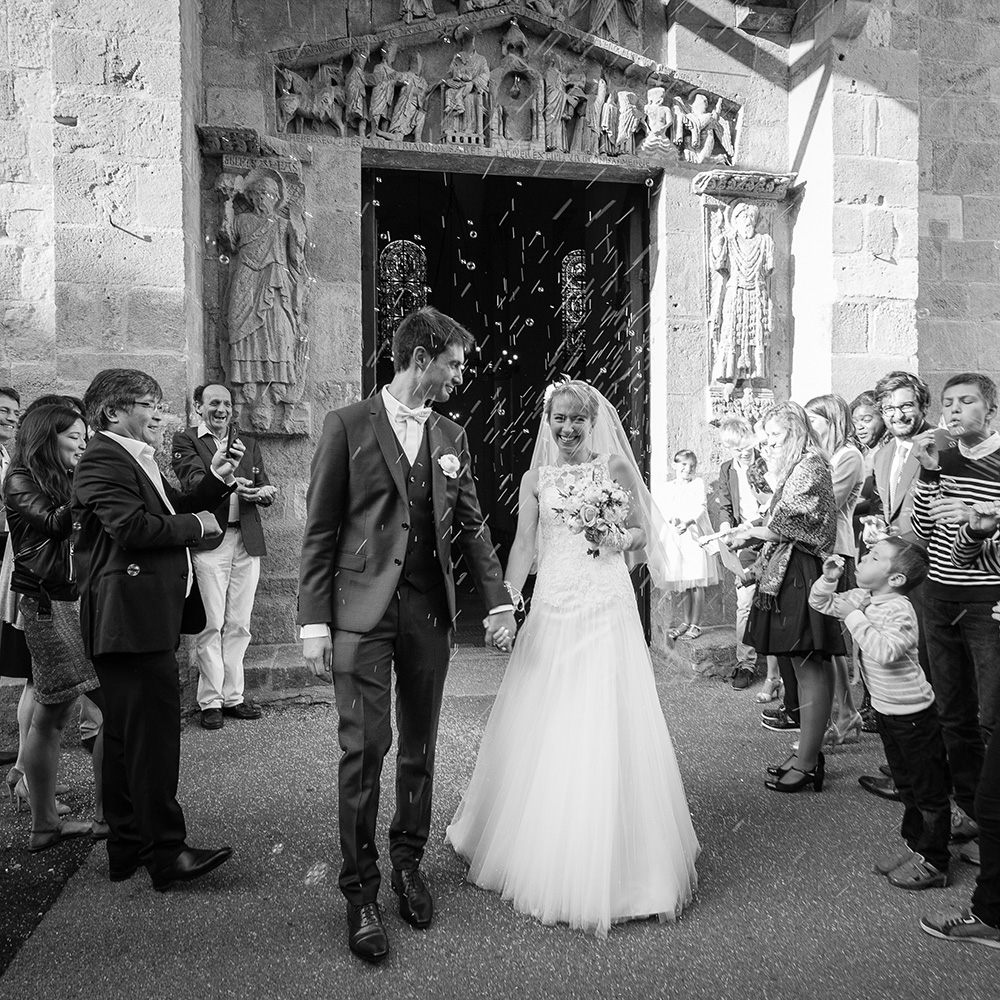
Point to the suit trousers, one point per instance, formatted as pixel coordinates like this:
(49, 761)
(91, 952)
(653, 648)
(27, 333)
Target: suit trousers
(227, 579)
(142, 749)
(746, 656)
(413, 639)
(986, 898)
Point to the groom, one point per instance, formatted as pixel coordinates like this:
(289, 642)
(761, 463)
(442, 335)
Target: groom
(391, 489)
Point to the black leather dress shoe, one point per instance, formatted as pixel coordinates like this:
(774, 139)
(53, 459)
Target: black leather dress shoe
(190, 864)
(366, 935)
(244, 710)
(123, 873)
(416, 906)
(884, 788)
(211, 718)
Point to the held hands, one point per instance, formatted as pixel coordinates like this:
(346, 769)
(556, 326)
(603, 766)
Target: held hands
(500, 630)
(318, 654)
(833, 568)
(224, 461)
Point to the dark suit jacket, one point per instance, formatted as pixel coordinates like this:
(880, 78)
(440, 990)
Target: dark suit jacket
(730, 507)
(357, 523)
(130, 552)
(192, 462)
(900, 516)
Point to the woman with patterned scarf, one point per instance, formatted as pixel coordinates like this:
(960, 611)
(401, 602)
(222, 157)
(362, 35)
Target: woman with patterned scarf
(800, 528)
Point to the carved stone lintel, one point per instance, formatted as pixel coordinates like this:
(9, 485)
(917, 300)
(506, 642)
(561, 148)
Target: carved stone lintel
(742, 184)
(217, 140)
(747, 401)
(233, 164)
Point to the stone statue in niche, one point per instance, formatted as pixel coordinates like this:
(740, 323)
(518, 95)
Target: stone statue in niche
(517, 92)
(357, 114)
(630, 121)
(321, 99)
(555, 104)
(742, 316)
(409, 111)
(384, 80)
(266, 336)
(697, 131)
(576, 106)
(608, 144)
(587, 137)
(411, 10)
(659, 119)
(463, 114)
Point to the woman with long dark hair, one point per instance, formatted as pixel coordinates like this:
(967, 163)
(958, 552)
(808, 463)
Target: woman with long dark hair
(800, 527)
(37, 493)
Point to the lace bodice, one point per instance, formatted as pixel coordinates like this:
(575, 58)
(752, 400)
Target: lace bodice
(567, 575)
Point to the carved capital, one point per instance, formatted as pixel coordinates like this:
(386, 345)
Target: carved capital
(742, 184)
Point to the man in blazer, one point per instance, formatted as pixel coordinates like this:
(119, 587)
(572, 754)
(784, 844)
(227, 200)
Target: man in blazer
(137, 595)
(228, 566)
(391, 492)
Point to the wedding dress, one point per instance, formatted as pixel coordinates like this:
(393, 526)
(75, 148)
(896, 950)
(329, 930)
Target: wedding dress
(576, 810)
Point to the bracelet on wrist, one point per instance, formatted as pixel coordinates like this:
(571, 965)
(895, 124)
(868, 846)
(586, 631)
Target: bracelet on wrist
(516, 597)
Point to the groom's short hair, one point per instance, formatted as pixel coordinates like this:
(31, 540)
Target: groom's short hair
(432, 330)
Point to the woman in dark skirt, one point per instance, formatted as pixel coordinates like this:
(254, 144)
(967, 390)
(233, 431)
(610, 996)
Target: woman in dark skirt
(800, 528)
(37, 493)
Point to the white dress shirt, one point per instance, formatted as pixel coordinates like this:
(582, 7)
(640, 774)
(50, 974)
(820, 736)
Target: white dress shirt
(4, 466)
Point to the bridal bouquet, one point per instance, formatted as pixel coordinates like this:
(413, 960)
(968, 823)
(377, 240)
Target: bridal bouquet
(599, 508)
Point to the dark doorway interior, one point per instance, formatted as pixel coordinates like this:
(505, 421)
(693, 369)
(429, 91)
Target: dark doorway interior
(550, 277)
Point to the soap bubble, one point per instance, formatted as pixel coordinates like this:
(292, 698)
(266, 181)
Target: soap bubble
(223, 259)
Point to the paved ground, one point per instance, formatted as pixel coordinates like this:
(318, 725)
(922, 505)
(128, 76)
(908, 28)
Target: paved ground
(786, 907)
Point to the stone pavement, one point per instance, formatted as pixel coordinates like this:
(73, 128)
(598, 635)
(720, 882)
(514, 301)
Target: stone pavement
(787, 905)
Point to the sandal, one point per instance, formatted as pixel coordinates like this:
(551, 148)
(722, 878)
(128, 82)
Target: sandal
(769, 690)
(678, 630)
(693, 632)
(42, 840)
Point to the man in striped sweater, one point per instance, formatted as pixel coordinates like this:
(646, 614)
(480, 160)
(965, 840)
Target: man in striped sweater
(962, 639)
(884, 624)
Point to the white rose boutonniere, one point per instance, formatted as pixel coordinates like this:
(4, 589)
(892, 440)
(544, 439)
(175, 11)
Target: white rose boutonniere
(450, 465)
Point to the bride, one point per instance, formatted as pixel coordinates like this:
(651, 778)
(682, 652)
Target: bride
(576, 811)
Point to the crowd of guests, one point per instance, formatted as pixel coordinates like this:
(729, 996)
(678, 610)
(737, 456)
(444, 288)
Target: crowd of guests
(868, 533)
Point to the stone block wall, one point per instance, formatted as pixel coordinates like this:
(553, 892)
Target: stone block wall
(959, 304)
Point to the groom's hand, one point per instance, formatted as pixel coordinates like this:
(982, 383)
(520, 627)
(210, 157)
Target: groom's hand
(501, 629)
(318, 654)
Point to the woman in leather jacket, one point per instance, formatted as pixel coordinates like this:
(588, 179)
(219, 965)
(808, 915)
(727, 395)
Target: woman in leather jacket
(37, 493)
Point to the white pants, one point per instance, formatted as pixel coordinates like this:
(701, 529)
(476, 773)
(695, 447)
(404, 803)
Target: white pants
(746, 656)
(227, 578)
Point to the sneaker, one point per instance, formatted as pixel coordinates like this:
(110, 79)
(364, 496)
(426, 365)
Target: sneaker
(887, 865)
(962, 827)
(884, 788)
(960, 925)
(915, 874)
(773, 711)
(782, 724)
(969, 852)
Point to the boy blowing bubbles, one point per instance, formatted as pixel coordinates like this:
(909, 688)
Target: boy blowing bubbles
(884, 625)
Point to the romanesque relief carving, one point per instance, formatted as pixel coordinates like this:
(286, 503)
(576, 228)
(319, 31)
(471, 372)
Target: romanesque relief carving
(484, 82)
(517, 95)
(743, 259)
(604, 16)
(266, 345)
(742, 183)
(411, 10)
(464, 92)
(751, 402)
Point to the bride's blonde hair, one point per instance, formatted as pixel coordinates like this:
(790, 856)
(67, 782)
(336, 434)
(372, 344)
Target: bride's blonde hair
(581, 392)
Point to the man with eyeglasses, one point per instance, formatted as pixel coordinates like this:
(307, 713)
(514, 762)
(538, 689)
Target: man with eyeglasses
(137, 595)
(10, 410)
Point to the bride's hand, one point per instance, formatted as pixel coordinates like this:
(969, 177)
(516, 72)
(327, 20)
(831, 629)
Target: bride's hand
(595, 535)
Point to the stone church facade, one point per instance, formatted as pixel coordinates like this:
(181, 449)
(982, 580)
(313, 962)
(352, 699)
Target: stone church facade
(700, 205)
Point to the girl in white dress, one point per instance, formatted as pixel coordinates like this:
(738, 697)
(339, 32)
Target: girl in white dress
(684, 503)
(576, 810)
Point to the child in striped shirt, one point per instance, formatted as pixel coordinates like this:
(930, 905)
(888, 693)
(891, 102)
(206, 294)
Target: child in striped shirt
(884, 625)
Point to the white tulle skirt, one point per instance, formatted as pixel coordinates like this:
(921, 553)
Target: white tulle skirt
(576, 810)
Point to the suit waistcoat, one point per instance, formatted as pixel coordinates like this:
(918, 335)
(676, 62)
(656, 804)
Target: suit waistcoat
(421, 568)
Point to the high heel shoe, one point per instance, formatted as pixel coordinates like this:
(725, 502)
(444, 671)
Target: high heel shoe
(769, 690)
(14, 775)
(777, 770)
(42, 840)
(814, 778)
(851, 733)
(21, 792)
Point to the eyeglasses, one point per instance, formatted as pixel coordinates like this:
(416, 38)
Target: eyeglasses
(152, 407)
(904, 409)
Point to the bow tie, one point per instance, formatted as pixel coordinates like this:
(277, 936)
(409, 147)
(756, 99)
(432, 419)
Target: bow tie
(418, 415)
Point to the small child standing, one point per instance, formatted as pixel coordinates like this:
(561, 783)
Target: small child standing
(883, 623)
(685, 509)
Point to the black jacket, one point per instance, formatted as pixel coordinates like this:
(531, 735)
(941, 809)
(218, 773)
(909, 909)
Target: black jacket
(40, 533)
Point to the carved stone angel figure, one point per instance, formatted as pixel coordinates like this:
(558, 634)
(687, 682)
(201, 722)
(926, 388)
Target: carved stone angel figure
(266, 295)
(744, 259)
(697, 130)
